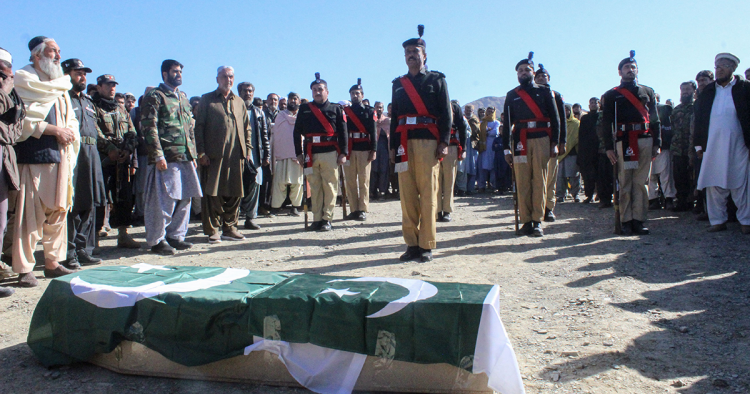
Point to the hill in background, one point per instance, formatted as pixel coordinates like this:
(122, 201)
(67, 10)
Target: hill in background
(485, 102)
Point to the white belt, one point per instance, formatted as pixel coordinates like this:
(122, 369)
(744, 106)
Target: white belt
(357, 135)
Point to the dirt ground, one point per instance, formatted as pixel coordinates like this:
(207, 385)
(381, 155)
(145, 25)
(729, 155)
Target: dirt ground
(586, 311)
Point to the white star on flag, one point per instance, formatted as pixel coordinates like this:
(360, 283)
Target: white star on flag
(339, 292)
(143, 267)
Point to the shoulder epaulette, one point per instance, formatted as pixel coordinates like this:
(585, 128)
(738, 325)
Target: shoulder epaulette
(395, 79)
(441, 75)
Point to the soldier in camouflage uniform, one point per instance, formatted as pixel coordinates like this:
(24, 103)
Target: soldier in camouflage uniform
(680, 147)
(171, 178)
(116, 148)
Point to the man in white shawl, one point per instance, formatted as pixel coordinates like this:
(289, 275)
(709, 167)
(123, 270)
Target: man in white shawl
(47, 153)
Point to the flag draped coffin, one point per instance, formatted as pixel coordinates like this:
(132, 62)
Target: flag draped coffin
(198, 315)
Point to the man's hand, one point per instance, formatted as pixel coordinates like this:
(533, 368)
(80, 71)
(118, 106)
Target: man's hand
(114, 155)
(7, 84)
(341, 159)
(373, 155)
(509, 159)
(612, 156)
(699, 154)
(132, 171)
(654, 153)
(266, 163)
(442, 150)
(204, 161)
(553, 151)
(392, 156)
(124, 154)
(561, 149)
(301, 160)
(463, 156)
(161, 165)
(64, 135)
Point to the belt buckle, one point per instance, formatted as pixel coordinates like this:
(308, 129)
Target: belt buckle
(532, 125)
(316, 139)
(411, 120)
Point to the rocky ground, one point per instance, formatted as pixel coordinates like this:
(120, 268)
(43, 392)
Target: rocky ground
(587, 311)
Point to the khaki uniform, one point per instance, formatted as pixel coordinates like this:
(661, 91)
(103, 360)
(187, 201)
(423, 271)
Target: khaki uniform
(324, 182)
(633, 183)
(446, 180)
(552, 165)
(419, 188)
(357, 177)
(531, 180)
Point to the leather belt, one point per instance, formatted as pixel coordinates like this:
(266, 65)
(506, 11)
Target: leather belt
(357, 135)
(88, 140)
(533, 125)
(319, 139)
(416, 120)
(632, 127)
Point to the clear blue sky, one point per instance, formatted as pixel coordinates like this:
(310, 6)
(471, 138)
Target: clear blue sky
(279, 45)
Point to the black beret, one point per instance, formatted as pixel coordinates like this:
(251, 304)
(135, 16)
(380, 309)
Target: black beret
(416, 41)
(541, 70)
(627, 60)
(526, 61)
(358, 86)
(318, 80)
(36, 41)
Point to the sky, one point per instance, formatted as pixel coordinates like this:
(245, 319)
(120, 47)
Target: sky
(278, 46)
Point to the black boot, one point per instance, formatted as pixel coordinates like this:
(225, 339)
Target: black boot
(639, 229)
(549, 216)
(412, 253)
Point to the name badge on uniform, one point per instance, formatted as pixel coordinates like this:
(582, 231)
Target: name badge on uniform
(316, 140)
(411, 120)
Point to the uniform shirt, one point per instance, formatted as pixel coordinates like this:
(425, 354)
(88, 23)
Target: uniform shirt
(433, 89)
(627, 113)
(459, 124)
(665, 111)
(165, 120)
(86, 114)
(118, 131)
(366, 115)
(308, 123)
(516, 110)
(560, 104)
(681, 120)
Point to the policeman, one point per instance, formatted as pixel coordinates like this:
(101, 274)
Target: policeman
(456, 153)
(541, 77)
(118, 143)
(89, 182)
(363, 145)
(322, 125)
(532, 112)
(630, 110)
(421, 121)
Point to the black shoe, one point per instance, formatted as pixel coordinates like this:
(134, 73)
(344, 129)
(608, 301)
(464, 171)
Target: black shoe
(314, 226)
(163, 248)
(447, 217)
(638, 228)
(627, 229)
(460, 193)
(362, 216)
(293, 212)
(6, 292)
(525, 229)
(440, 216)
(654, 205)
(325, 225)
(138, 221)
(587, 200)
(469, 193)
(536, 229)
(85, 259)
(549, 216)
(353, 215)
(412, 253)
(179, 245)
(669, 205)
(249, 225)
(71, 264)
(425, 255)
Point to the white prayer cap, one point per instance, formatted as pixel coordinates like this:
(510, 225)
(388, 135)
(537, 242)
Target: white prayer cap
(5, 55)
(727, 55)
(345, 103)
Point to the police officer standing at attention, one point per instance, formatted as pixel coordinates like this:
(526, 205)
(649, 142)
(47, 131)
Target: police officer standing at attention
(363, 146)
(89, 187)
(421, 121)
(531, 110)
(456, 153)
(322, 125)
(630, 110)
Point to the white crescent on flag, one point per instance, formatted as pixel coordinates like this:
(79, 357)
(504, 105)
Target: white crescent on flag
(418, 290)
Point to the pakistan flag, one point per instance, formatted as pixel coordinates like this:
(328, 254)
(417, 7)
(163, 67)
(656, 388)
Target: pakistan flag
(198, 315)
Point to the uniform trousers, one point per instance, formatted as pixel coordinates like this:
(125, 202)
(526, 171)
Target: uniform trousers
(551, 183)
(419, 194)
(286, 172)
(36, 219)
(531, 180)
(81, 230)
(220, 213)
(447, 180)
(588, 169)
(633, 190)
(324, 182)
(357, 177)
(605, 179)
(682, 180)
(661, 173)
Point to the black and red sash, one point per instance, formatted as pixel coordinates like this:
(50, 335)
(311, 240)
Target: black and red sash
(520, 148)
(364, 136)
(319, 139)
(633, 130)
(402, 154)
(455, 141)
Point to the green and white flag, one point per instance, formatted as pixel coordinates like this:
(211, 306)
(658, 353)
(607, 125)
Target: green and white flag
(198, 315)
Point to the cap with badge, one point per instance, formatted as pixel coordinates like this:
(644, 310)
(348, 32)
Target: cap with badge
(74, 64)
(416, 41)
(527, 61)
(36, 41)
(728, 56)
(358, 86)
(318, 81)
(106, 78)
(627, 60)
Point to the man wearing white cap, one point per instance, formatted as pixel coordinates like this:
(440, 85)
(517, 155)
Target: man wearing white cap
(722, 139)
(47, 154)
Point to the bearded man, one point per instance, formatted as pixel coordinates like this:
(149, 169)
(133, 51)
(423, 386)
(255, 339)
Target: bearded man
(47, 155)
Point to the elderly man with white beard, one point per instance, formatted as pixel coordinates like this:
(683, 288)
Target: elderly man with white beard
(47, 155)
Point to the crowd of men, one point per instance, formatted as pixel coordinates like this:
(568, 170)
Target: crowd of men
(79, 159)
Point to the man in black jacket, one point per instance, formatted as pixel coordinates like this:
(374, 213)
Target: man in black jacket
(722, 139)
(253, 174)
(588, 145)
